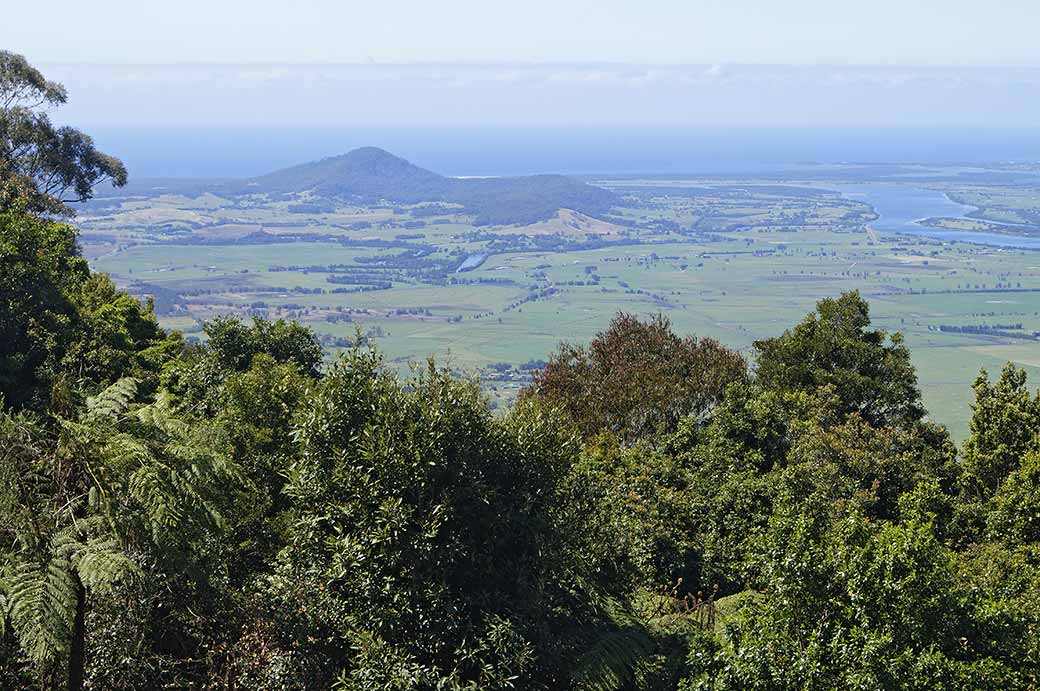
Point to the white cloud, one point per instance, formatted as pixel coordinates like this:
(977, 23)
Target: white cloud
(469, 94)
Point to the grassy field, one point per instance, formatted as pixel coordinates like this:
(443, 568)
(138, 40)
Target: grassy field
(736, 263)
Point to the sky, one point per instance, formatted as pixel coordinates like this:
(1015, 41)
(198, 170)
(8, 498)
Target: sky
(361, 68)
(545, 95)
(885, 32)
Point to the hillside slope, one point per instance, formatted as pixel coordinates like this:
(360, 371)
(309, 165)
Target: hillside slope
(370, 175)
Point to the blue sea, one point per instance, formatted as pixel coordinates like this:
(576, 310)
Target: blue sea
(575, 150)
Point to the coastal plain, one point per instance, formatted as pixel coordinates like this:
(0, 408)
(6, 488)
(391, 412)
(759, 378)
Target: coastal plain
(737, 259)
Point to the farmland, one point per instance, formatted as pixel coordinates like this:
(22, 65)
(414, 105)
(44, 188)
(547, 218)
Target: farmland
(734, 259)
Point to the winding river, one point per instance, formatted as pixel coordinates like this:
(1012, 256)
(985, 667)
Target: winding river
(900, 209)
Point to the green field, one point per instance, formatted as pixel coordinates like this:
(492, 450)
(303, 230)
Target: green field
(736, 262)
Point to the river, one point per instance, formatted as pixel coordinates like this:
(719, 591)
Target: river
(900, 208)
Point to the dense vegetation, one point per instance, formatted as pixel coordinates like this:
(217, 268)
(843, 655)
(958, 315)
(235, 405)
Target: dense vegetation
(371, 175)
(653, 514)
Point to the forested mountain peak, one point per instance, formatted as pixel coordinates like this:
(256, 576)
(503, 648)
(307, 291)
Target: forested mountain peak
(370, 174)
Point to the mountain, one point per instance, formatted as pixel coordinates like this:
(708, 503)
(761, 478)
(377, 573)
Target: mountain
(370, 175)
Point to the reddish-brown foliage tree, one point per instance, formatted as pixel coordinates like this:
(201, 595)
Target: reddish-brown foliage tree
(638, 378)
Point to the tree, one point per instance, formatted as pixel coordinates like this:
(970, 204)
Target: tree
(198, 379)
(47, 167)
(854, 466)
(856, 604)
(870, 371)
(432, 544)
(64, 331)
(637, 379)
(76, 506)
(1005, 426)
(1015, 514)
(40, 269)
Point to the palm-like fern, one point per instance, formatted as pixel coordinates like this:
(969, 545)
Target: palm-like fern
(643, 646)
(43, 596)
(42, 589)
(114, 476)
(113, 401)
(614, 660)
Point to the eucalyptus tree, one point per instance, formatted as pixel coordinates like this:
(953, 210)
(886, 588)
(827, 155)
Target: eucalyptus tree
(46, 165)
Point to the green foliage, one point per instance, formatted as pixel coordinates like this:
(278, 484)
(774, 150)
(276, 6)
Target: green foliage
(62, 330)
(637, 379)
(870, 371)
(40, 269)
(113, 401)
(1005, 426)
(860, 605)
(43, 166)
(231, 346)
(43, 602)
(648, 517)
(1015, 514)
(855, 467)
(83, 499)
(234, 344)
(612, 662)
(410, 506)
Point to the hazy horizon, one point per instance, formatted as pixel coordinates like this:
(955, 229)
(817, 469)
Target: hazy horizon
(619, 150)
(206, 77)
(545, 94)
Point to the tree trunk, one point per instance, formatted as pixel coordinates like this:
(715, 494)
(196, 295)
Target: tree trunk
(77, 651)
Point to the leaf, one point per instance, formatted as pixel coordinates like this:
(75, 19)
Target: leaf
(42, 600)
(112, 401)
(102, 562)
(613, 660)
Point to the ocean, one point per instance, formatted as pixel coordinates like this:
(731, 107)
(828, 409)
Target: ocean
(573, 150)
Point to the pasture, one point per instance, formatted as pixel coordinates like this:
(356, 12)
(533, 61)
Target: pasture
(735, 264)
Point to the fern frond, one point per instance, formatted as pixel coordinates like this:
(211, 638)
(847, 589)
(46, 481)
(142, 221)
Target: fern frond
(160, 414)
(123, 452)
(101, 563)
(42, 599)
(613, 660)
(85, 528)
(151, 485)
(114, 400)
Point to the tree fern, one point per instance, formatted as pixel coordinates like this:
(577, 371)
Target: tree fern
(42, 598)
(101, 562)
(3, 611)
(112, 401)
(613, 660)
(42, 592)
(173, 471)
(119, 477)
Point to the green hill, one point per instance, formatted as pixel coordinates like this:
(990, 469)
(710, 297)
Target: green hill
(370, 175)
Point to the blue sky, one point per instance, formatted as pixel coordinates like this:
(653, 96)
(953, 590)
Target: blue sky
(548, 94)
(899, 32)
(537, 62)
